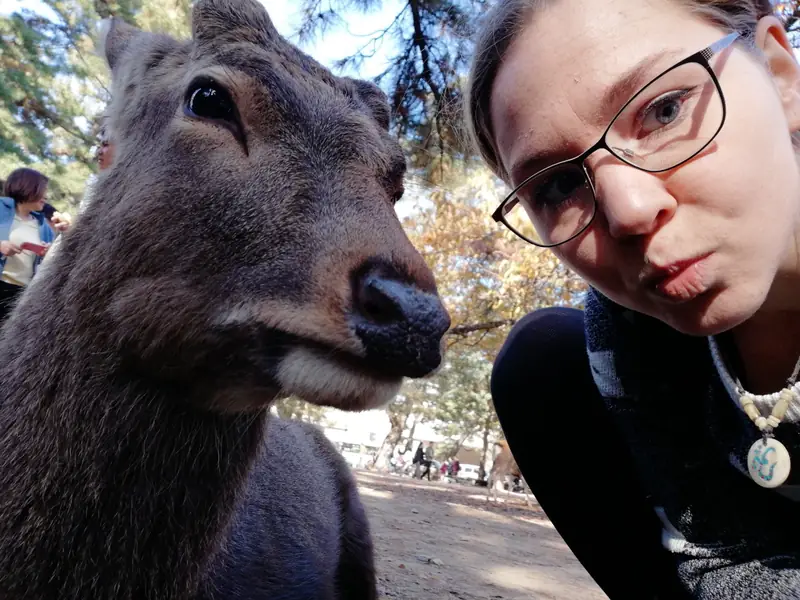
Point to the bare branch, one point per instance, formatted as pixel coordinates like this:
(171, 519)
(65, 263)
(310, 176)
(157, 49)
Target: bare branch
(487, 326)
(45, 113)
(420, 41)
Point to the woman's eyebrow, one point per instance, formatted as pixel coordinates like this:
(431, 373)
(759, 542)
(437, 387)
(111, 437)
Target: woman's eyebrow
(633, 80)
(612, 100)
(536, 161)
(529, 165)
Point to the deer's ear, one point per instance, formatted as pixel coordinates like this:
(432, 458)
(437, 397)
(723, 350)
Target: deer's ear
(114, 36)
(376, 101)
(239, 19)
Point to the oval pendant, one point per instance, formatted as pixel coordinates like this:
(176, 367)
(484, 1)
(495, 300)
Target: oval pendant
(769, 463)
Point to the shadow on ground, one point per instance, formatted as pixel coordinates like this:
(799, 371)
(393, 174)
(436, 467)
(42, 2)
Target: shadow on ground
(439, 541)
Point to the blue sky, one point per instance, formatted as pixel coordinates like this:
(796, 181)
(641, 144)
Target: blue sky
(336, 43)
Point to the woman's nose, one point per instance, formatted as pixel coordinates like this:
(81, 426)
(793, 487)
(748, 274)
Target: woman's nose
(633, 202)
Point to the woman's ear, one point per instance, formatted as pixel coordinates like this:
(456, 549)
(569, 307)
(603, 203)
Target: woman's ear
(772, 40)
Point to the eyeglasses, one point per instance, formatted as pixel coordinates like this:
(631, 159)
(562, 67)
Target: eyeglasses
(667, 123)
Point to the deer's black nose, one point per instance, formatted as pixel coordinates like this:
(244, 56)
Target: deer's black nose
(400, 325)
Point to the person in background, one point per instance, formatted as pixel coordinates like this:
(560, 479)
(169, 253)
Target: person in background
(105, 154)
(104, 157)
(427, 461)
(455, 467)
(21, 222)
(419, 457)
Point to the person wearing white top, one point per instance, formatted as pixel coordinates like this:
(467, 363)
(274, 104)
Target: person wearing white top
(25, 234)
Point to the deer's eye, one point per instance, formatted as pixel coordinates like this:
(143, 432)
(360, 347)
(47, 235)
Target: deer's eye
(209, 100)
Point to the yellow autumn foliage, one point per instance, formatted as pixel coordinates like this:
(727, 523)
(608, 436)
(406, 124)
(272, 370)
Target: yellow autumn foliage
(487, 277)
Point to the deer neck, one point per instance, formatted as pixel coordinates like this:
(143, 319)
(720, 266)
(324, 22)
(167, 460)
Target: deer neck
(110, 488)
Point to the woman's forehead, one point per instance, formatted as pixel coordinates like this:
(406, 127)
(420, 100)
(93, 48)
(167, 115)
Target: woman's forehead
(572, 68)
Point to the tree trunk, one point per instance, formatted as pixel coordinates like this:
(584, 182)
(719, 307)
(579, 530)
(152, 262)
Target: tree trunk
(460, 443)
(398, 425)
(487, 426)
(454, 446)
(410, 440)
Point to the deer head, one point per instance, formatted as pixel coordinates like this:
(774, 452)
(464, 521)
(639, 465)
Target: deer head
(244, 244)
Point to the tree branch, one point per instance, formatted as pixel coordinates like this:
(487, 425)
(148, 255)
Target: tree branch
(424, 54)
(422, 44)
(45, 113)
(487, 326)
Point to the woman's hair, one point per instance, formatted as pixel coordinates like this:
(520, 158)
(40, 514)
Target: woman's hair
(507, 20)
(48, 211)
(103, 135)
(25, 185)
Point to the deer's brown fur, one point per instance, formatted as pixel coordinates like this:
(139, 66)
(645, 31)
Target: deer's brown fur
(216, 270)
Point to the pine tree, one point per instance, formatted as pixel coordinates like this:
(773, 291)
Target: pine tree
(432, 44)
(53, 87)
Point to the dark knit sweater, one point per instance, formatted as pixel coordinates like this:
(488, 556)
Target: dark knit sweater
(731, 539)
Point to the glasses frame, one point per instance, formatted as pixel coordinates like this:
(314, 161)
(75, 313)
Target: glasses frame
(701, 58)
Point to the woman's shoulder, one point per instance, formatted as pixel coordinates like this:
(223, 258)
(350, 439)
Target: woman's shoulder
(628, 350)
(6, 207)
(612, 327)
(609, 324)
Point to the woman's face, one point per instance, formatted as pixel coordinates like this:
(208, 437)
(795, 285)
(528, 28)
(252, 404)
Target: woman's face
(702, 246)
(38, 204)
(105, 156)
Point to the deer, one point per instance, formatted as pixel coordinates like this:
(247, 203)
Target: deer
(242, 247)
(504, 470)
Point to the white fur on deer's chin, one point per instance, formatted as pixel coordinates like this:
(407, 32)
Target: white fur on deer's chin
(315, 378)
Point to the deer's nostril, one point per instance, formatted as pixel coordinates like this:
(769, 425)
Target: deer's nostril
(375, 304)
(400, 325)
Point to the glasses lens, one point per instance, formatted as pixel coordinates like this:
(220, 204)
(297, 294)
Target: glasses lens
(669, 121)
(553, 207)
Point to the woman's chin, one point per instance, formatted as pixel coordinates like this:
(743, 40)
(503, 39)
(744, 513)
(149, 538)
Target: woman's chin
(715, 312)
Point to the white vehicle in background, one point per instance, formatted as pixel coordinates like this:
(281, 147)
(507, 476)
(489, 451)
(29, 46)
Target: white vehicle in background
(353, 454)
(468, 474)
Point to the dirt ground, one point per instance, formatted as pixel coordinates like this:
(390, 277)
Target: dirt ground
(442, 541)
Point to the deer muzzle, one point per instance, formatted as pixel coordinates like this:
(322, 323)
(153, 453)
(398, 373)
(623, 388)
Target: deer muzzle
(400, 325)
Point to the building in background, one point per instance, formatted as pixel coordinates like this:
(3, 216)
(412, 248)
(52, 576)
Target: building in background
(358, 436)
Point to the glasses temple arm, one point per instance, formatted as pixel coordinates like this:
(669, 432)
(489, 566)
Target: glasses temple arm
(720, 45)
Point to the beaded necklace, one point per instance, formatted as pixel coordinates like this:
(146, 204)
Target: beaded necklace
(768, 460)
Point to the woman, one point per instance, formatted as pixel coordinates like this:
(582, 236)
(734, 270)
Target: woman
(104, 157)
(21, 222)
(652, 147)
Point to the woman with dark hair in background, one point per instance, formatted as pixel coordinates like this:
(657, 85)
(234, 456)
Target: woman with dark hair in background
(21, 224)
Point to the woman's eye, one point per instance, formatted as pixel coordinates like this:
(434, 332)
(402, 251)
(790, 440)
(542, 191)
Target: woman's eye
(663, 111)
(210, 101)
(558, 188)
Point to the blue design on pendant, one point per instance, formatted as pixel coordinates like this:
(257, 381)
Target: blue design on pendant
(761, 461)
